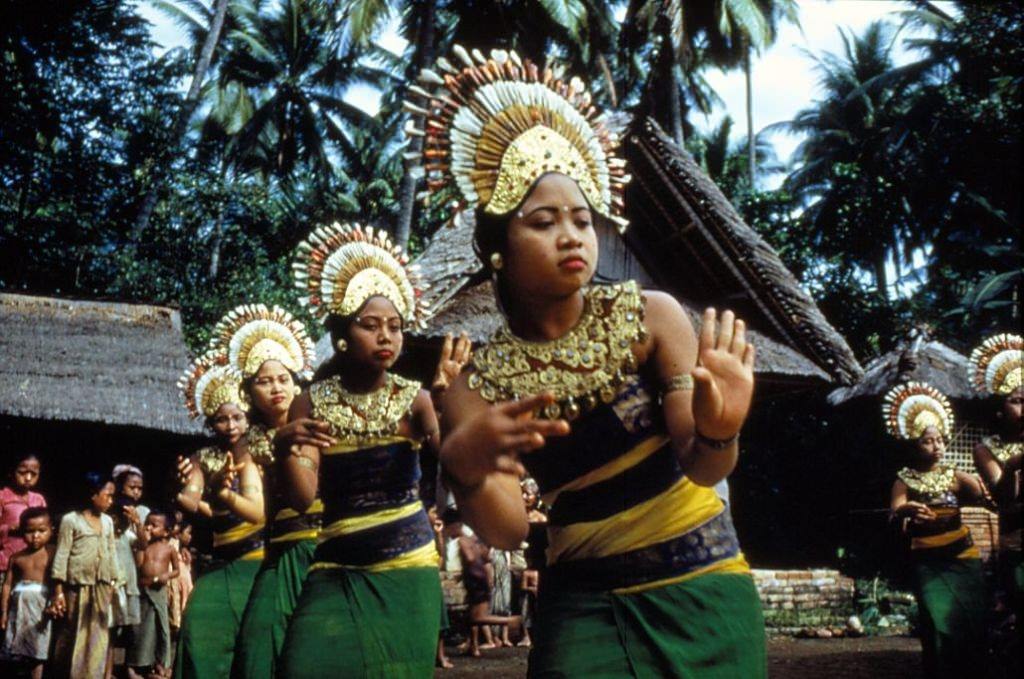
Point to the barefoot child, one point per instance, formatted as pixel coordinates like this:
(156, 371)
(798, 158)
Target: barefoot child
(24, 594)
(159, 564)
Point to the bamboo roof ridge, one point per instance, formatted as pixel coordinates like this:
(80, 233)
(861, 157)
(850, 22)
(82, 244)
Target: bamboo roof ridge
(86, 361)
(706, 255)
(918, 358)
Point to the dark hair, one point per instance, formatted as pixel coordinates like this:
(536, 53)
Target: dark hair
(123, 476)
(94, 482)
(33, 513)
(451, 515)
(23, 458)
(168, 517)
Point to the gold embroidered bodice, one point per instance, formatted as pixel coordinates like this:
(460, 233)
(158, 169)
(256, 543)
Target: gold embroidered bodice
(581, 368)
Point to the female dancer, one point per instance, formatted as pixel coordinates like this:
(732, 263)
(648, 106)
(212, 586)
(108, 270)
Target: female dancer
(223, 483)
(370, 606)
(645, 576)
(946, 565)
(271, 351)
(996, 369)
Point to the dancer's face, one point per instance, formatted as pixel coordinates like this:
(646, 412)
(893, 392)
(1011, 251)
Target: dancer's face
(272, 390)
(375, 336)
(931, 446)
(1012, 404)
(229, 423)
(552, 246)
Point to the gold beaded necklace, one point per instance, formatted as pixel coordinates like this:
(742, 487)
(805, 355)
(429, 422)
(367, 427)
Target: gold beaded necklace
(260, 440)
(1000, 450)
(931, 484)
(583, 367)
(363, 417)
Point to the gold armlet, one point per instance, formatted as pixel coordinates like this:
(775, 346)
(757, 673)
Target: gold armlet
(682, 382)
(306, 462)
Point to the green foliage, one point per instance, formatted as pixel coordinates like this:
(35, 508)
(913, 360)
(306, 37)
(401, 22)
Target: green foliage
(923, 158)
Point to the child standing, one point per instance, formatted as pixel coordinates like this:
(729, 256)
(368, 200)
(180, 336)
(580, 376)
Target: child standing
(14, 499)
(23, 597)
(158, 565)
(85, 572)
(180, 587)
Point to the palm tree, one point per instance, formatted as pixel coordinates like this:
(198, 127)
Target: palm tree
(725, 161)
(852, 172)
(210, 32)
(286, 68)
(690, 36)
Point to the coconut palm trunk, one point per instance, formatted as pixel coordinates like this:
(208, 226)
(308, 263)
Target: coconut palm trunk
(188, 107)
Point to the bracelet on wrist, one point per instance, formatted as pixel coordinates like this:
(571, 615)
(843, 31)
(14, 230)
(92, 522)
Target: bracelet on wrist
(716, 444)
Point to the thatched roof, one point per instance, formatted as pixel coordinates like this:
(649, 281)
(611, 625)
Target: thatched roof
(918, 358)
(92, 362)
(687, 234)
(704, 255)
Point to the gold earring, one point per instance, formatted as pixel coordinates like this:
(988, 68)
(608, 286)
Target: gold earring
(297, 390)
(496, 261)
(341, 345)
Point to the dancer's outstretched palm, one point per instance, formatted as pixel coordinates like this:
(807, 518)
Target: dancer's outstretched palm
(723, 378)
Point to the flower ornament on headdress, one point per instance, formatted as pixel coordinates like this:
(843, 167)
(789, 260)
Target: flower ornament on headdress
(996, 364)
(910, 408)
(339, 267)
(209, 383)
(495, 125)
(251, 334)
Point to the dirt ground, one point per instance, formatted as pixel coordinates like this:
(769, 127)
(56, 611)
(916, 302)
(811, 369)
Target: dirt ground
(875, 657)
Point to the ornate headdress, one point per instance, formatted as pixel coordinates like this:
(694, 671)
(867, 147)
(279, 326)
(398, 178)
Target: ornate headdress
(996, 364)
(209, 383)
(340, 266)
(252, 334)
(494, 126)
(912, 407)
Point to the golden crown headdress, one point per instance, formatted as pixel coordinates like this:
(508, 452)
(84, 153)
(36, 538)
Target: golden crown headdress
(252, 334)
(340, 266)
(910, 408)
(495, 125)
(208, 383)
(996, 364)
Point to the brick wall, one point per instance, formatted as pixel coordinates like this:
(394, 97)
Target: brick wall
(984, 527)
(798, 599)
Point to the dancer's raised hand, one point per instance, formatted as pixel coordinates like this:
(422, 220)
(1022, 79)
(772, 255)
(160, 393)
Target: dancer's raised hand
(454, 356)
(723, 378)
(493, 439)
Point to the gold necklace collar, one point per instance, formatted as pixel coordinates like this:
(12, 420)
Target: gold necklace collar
(582, 368)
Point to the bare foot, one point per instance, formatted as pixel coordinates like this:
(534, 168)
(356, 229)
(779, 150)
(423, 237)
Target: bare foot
(444, 664)
(525, 643)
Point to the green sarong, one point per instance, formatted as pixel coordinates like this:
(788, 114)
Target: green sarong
(273, 598)
(352, 623)
(709, 627)
(212, 617)
(951, 601)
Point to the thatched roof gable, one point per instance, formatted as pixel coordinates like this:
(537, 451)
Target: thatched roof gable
(917, 359)
(695, 244)
(92, 362)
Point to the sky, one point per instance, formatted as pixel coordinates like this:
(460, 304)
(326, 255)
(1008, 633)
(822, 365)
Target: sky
(784, 77)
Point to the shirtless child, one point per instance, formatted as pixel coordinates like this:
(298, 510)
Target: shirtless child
(158, 564)
(24, 595)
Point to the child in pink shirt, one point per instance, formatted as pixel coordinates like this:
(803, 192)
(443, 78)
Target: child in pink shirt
(14, 499)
